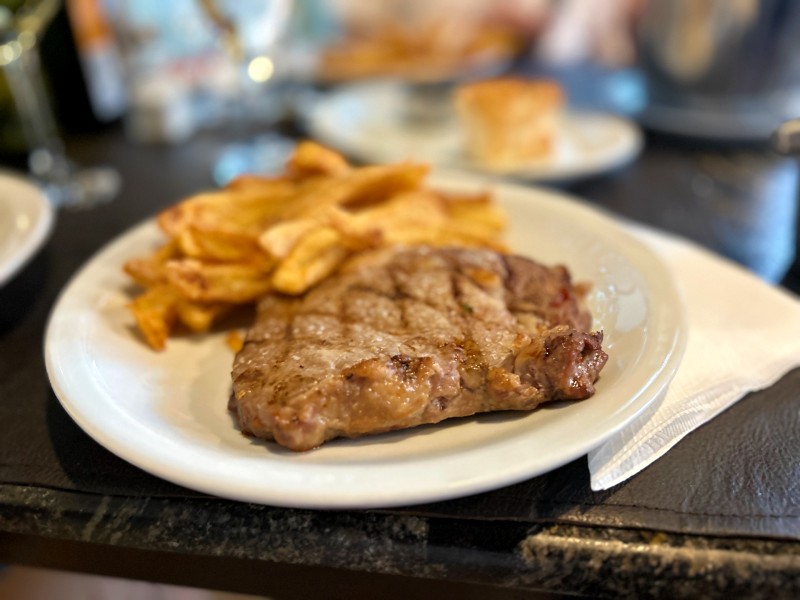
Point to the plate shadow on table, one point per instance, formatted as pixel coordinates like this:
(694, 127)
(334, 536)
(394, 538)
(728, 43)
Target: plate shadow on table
(86, 466)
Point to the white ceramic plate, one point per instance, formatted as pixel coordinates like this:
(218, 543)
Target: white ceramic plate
(26, 218)
(376, 122)
(166, 412)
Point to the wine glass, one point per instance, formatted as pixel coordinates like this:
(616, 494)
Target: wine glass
(21, 25)
(250, 32)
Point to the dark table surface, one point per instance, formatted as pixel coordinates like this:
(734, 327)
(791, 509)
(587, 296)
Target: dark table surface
(718, 515)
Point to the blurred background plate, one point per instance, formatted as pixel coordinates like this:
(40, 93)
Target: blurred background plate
(389, 121)
(26, 218)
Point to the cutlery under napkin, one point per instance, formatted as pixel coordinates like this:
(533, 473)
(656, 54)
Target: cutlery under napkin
(722, 299)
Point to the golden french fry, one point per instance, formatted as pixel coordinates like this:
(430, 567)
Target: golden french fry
(156, 311)
(149, 271)
(187, 243)
(357, 188)
(310, 159)
(225, 282)
(199, 316)
(477, 214)
(234, 340)
(422, 217)
(249, 209)
(379, 182)
(314, 257)
(249, 181)
(281, 238)
(405, 212)
(221, 246)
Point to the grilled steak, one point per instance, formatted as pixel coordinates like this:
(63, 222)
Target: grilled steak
(411, 336)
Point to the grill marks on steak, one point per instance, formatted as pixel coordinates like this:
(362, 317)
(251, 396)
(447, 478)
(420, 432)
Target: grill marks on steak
(403, 337)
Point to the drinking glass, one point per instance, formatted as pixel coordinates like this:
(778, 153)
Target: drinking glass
(251, 32)
(21, 25)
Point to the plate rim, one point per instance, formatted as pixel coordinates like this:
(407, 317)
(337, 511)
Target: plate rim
(44, 215)
(343, 499)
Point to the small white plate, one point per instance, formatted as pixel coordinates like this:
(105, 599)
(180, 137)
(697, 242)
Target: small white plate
(167, 412)
(26, 218)
(372, 122)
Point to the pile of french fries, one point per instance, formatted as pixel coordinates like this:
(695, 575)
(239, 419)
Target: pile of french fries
(260, 235)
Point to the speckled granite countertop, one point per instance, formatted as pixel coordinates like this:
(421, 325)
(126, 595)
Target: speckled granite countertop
(581, 560)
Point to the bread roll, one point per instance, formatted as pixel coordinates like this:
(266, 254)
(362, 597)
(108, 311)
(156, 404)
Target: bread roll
(509, 122)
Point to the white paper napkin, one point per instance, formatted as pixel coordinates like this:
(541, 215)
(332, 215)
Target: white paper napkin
(761, 324)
